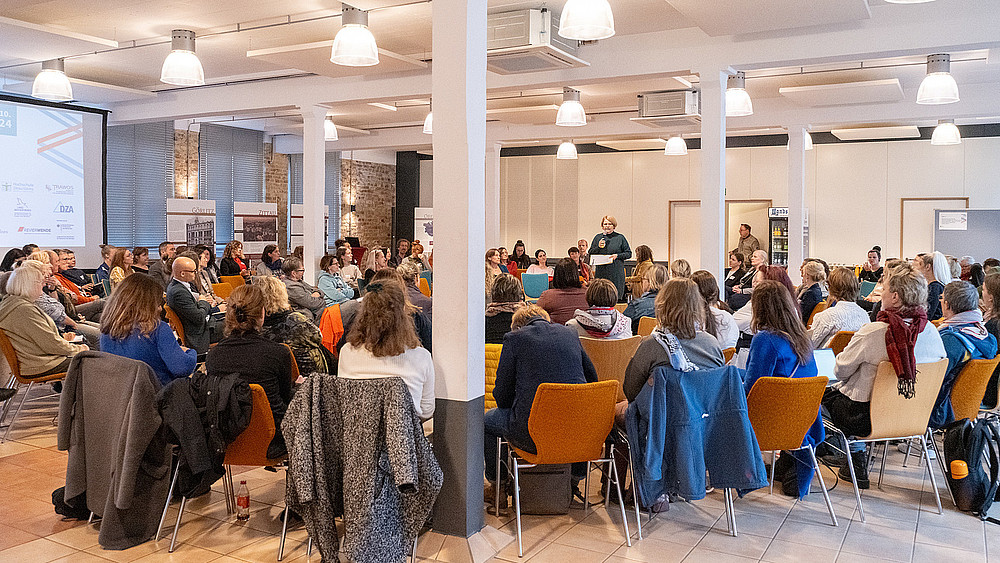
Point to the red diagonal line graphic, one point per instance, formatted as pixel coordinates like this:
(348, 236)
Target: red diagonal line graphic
(60, 133)
(59, 142)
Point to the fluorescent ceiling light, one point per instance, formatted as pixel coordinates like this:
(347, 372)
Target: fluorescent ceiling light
(182, 67)
(329, 130)
(877, 133)
(571, 113)
(939, 86)
(586, 20)
(566, 151)
(51, 83)
(675, 147)
(354, 44)
(738, 103)
(383, 106)
(946, 133)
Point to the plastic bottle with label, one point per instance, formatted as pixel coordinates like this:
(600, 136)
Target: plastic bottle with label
(243, 502)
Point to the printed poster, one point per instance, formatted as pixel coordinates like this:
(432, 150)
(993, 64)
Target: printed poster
(255, 225)
(191, 222)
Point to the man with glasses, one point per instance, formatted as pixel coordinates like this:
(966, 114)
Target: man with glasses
(201, 327)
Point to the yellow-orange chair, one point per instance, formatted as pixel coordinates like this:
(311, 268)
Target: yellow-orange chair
(646, 325)
(840, 341)
(621, 307)
(222, 290)
(235, 281)
(820, 307)
(781, 411)
(569, 424)
(937, 322)
(492, 362)
(175, 322)
(728, 354)
(425, 287)
(17, 379)
(970, 387)
(611, 357)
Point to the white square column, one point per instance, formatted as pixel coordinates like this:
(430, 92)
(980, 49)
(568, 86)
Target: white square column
(713, 172)
(493, 196)
(313, 189)
(796, 200)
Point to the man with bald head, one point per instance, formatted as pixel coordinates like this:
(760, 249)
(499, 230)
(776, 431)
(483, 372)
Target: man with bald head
(201, 328)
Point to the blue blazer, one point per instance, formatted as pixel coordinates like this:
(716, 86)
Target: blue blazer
(687, 423)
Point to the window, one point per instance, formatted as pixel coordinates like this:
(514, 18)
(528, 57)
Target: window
(140, 179)
(230, 168)
(332, 195)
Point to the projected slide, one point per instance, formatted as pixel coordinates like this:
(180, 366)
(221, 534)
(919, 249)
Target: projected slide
(42, 176)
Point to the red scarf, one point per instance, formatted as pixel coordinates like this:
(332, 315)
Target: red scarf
(900, 339)
(239, 263)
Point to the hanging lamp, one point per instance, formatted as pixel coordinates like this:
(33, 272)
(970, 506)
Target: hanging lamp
(939, 86)
(429, 121)
(946, 133)
(182, 67)
(51, 83)
(586, 20)
(571, 112)
(354, 44)
(738, 103)
(675, 146)
(566, 151)
(329, 130)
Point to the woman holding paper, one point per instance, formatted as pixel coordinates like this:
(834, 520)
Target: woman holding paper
(608, 253)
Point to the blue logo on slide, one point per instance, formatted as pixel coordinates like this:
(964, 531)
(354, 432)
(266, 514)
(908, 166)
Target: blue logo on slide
(8, 120)
(60, 208)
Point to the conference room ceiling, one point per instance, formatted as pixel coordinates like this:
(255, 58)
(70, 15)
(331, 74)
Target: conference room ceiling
(87, 32)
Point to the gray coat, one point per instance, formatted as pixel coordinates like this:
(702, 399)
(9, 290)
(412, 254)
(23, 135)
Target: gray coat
(301, 299)
(118, 453)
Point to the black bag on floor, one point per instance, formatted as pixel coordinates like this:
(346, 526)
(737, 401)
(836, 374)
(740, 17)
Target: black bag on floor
(75, 508)
(977, 445)
(546, 489)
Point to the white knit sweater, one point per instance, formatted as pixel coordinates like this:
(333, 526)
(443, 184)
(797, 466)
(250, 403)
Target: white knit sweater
(414, 366)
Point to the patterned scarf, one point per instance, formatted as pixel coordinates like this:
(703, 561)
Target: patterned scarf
(900, 339)
(494, 309)
(601, 322)
(678, 359)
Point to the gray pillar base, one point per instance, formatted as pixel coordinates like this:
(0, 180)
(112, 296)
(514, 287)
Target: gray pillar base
(477, 548)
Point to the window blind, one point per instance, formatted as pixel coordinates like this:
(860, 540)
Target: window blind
(332, 190)
(140, 179)
(230, 168)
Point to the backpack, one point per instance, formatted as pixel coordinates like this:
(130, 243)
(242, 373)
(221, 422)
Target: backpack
(977, 443)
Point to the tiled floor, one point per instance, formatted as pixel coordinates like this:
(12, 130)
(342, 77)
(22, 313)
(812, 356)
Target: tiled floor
(902, 523)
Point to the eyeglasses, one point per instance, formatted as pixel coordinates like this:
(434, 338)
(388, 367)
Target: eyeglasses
(188, 271)
(301, 270)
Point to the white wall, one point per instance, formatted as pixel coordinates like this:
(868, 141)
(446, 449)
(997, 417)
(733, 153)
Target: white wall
(853, 192)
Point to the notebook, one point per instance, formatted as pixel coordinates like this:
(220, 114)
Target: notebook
(866, 288)
(825, 362)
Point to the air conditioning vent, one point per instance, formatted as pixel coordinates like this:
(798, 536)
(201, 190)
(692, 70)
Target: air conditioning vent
(670, 108)
(527, 41)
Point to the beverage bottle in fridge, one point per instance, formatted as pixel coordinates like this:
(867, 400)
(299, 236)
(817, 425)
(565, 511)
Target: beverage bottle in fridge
(243, 502)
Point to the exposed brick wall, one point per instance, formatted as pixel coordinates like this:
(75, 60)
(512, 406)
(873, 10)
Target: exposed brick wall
(276, 190)
(372, 187)
(185, 163)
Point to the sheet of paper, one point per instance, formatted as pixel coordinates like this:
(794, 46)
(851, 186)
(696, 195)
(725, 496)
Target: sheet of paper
(600, 259)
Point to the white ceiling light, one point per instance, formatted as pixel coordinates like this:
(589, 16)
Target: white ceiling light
(429, 122)
(939, 86)
(586, 20)
(567, 151)
(354, 44)
(946, 133)
(738, 102)
(182, 67)
(675, 146)
(571, 113)
(807, 140)
(329, 130)
(51, 83)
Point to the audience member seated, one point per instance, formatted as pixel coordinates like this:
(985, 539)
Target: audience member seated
(954, 266)
(29, 248)
(507, 297)
(574, 254)
(69, 270)
(402, 251)
(234, 262)
(131, 327)
(493, 269)
(991, 305)
(373, 261)
(411, 277)
(680, 268)
(421, 320)
(541, 267)
(285, 326)
(205, 290)
(567, 293)
(270, 262)
(519, 260)
(333, 287)
(964, 337)
(85, 303)
(601, 319)
(742, 290)
(902, 326)
(256, 359)
(644, 261)
(719, 322)
(160, 270)
(12, 259)
(140, 260)
(121, 266)
(977, 276)
(201, 328)
(735, 272)
(519, 374)
(348, 270)
(504, 259)
(810, 293)
(843, 313)
(417, 257)
(780, 348)
(678, 339)
(103, 271)
(303, 297)
(871, 271)
(209, 270)
(382, 343)
(50, 304)
(40, 349)
(934, 267)
(744, 316)
(644, 305)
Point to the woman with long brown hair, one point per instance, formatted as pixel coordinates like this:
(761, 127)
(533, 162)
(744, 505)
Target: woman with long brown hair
(121, 266)
(131, 327)
(781, 348)
(719, 321)
(233, 262)
(383, 342)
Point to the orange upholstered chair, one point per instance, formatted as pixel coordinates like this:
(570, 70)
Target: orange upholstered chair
(646, 325)
(970, 387)
(222, 289)
(820, 307)
(175, 322)
(235, 281)
(611, 357)
(728, 354)
(492, 362)
(17, 380)
(840, 341)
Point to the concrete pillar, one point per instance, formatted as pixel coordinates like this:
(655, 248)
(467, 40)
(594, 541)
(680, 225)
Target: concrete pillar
(713, 172)
(796, 200)
(313, 188)
(493, 196)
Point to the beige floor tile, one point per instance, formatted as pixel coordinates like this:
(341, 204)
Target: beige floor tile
(531, 548)
(11, 537)
(130, 554)
(692, 513)
(877, 525)
(454, 550)
(587, 537)
(38, 551)
(893, 548)
(755, 524)
(674, 531)
(787, 552)
(228, 559)
(652, 550)
(545, 528)
(951, 518)
(973, 538)
(222, 537)
(940, 553)
(818, 535)
(12, 447)
(557, 553)
(265, 549)
(80, 557)
(80, 537)
(702, 555)
(429, 544)
(744, 545)
(183, 554)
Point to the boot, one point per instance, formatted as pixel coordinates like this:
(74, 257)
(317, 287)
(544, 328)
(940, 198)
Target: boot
(860, 461)
(6, 393)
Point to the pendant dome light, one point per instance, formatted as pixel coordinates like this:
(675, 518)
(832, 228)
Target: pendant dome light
(51, 83)
(329, 130)
(182, 67)
(566, 151)
(571, 113)
(354, 44)
(738, 103)
(586, 20)
(946, 133)
(676, 146)
(807, 140)
(939, 86)
(429, 121)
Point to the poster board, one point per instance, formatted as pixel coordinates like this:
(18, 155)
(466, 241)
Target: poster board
(972, 232)
(296, 226)
(191, 222)
(255, 225)
(423, 227)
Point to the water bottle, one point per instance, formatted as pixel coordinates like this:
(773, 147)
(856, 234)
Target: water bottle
(243, 502)
(962, 486)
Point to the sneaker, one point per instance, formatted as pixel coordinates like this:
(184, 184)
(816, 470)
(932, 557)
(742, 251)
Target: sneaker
(860, 462)
(6, 394)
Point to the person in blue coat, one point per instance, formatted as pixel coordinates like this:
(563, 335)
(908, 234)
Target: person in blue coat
(334, 288)
(131, 327)
(781, 348)
(608, 242)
